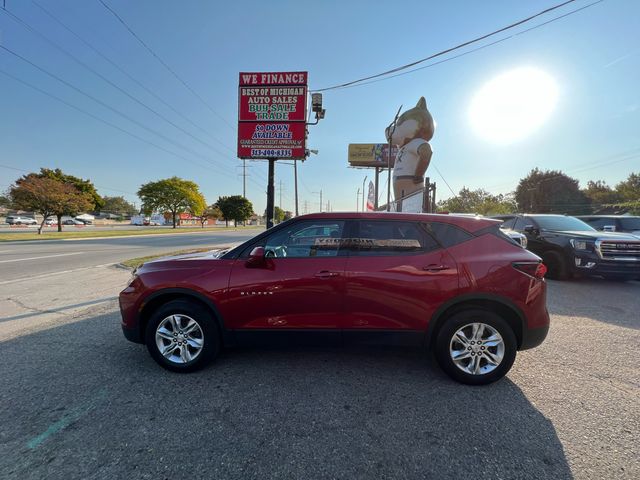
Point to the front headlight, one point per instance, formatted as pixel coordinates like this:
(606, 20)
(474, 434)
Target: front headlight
(579, 244)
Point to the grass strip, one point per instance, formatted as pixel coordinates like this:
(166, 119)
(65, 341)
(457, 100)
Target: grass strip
(134, 263)
(20, 237)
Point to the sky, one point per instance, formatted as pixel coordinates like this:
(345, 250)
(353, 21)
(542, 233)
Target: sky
(593, 57)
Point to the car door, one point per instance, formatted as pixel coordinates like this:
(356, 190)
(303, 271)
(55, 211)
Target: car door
(299, 286)
(396, 275)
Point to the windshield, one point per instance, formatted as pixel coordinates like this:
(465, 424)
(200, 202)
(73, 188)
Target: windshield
(632, 223)
(557, 222)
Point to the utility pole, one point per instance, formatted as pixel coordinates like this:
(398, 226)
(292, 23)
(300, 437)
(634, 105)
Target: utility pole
(244, 177)
(306, 207)
(319, 193)
(280, 205)
(270, 189)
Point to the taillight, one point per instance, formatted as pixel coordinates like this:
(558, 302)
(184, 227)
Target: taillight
(533, 269)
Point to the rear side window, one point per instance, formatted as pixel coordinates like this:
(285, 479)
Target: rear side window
(382, 237)
(448, 235)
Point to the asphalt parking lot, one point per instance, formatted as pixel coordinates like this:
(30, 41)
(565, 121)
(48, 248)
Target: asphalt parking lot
(78, 401)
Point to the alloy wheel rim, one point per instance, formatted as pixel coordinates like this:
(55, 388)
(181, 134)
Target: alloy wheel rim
(179, 338)
(477, 348)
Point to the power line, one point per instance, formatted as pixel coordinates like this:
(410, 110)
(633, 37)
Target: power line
(106, 122)
(164, 64)
(133, 79)
(482, 47)
(100, 102)
(80, 62)
(448, 50)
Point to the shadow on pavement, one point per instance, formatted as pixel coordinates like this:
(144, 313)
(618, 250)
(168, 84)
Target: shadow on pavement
(617, 303)
(81, 402)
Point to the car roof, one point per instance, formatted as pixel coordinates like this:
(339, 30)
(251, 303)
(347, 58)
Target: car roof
(608, 216)
(471, 224)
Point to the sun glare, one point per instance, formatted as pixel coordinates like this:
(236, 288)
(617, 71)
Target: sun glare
(512, 105)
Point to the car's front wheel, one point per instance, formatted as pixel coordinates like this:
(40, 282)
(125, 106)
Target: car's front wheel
(476, 347)
(182, 336)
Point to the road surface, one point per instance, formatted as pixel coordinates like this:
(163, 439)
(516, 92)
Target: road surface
(27, 259)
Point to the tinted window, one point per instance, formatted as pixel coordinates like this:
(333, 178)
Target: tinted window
(390, 238)
(508, 222)
(632, 223)
(521, 223)
(305, 239)
(599, 223)
(448, 235)
(560, 223)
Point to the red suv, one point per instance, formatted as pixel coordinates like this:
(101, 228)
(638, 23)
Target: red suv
(456, 284)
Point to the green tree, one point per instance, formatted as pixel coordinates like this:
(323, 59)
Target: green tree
(5, 201)
(49, 196)
(211, 212)
(478, 201)
(173, 195)
(551, 191)
(601, 194)
(235, 207)
(629, 191)
(278, 215)
(118, 206)
(84, 186)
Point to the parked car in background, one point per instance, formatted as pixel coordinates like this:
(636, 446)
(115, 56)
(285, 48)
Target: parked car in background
(454, 284)
(568, 246)
(71, 221)
(20, 220)
(51, 221)
(613, 223)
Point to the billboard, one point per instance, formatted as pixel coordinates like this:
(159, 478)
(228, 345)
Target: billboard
(272, 115)
(371, 155)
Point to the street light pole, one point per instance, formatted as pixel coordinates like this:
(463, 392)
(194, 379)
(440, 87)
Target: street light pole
(358, 199)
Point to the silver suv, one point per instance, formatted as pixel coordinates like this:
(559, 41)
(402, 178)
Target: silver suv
(18, 220)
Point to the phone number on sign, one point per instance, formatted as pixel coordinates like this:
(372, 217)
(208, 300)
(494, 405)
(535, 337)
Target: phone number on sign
(275, 153)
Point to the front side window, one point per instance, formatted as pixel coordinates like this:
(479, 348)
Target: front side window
(306, 239)
(381, 237)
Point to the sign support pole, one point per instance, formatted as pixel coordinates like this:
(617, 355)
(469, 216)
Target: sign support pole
(295, 175)
(270, 193)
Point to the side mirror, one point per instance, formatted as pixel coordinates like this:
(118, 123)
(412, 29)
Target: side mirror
(256, 258)
(609, 228)
(530, 229)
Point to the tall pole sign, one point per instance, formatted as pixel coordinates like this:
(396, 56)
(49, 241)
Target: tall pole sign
(272, 114)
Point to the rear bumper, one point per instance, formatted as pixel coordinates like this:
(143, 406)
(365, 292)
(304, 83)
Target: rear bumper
(532, 337)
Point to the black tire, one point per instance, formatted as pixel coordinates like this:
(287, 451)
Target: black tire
(209, 329)
(459, 320)
(557, 268)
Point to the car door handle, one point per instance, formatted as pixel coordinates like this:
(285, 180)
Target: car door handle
(326, 274)
(435, 267)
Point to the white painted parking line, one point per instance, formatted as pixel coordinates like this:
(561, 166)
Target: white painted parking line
(38, 258)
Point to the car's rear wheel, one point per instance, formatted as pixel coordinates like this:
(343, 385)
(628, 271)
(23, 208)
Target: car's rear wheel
(476, 347)
(182, 336)
(557, 268)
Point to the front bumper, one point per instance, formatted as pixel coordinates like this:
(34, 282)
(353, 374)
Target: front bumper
(588, 263)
